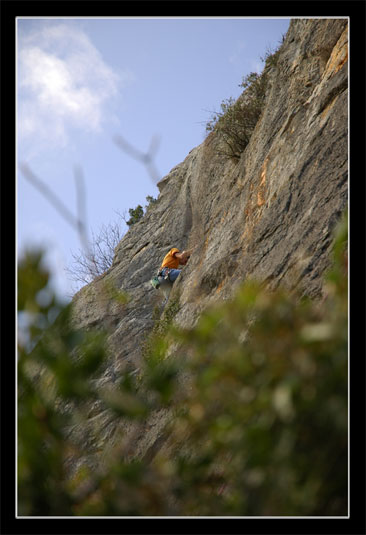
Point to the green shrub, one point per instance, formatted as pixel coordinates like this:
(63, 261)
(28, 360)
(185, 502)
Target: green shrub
(236, 121)
(151, 200)
(270, 58)
(135, 215)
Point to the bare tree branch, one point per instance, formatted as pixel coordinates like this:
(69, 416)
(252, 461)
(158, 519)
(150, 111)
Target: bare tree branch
(50, 196)
(146, 159)
(76, 222)
(81, 206)
(87, 266)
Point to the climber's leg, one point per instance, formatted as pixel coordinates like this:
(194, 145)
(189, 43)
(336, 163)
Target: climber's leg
(173, 274)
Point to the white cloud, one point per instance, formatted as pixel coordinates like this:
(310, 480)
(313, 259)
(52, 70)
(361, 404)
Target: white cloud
(63, 83)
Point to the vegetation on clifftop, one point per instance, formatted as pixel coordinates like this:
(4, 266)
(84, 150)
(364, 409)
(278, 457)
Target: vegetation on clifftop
(236, 120)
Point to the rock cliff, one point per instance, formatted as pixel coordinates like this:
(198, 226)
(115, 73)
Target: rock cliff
(268, 216)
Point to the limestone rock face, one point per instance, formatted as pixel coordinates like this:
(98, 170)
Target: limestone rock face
(268, 216)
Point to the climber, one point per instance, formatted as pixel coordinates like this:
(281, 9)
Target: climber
(168, 272)
(172, 260)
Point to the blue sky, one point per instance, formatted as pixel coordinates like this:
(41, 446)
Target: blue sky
(81, 82)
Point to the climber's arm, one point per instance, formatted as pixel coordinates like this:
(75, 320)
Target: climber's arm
(183, 257)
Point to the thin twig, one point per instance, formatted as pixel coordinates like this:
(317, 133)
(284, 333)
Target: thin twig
(146, 158)
(76, 222)
(81, 207)
(49, 195)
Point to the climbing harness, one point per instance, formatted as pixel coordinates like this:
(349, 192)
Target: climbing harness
(161, 278)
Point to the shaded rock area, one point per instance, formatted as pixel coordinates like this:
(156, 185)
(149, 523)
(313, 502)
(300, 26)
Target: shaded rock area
(268, 216)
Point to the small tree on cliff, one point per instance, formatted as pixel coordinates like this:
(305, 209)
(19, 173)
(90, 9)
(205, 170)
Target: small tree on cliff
(135, 215)
(90, 264)
(138, 213)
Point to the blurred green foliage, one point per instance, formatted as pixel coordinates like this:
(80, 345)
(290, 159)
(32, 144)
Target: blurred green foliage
(257, 393)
